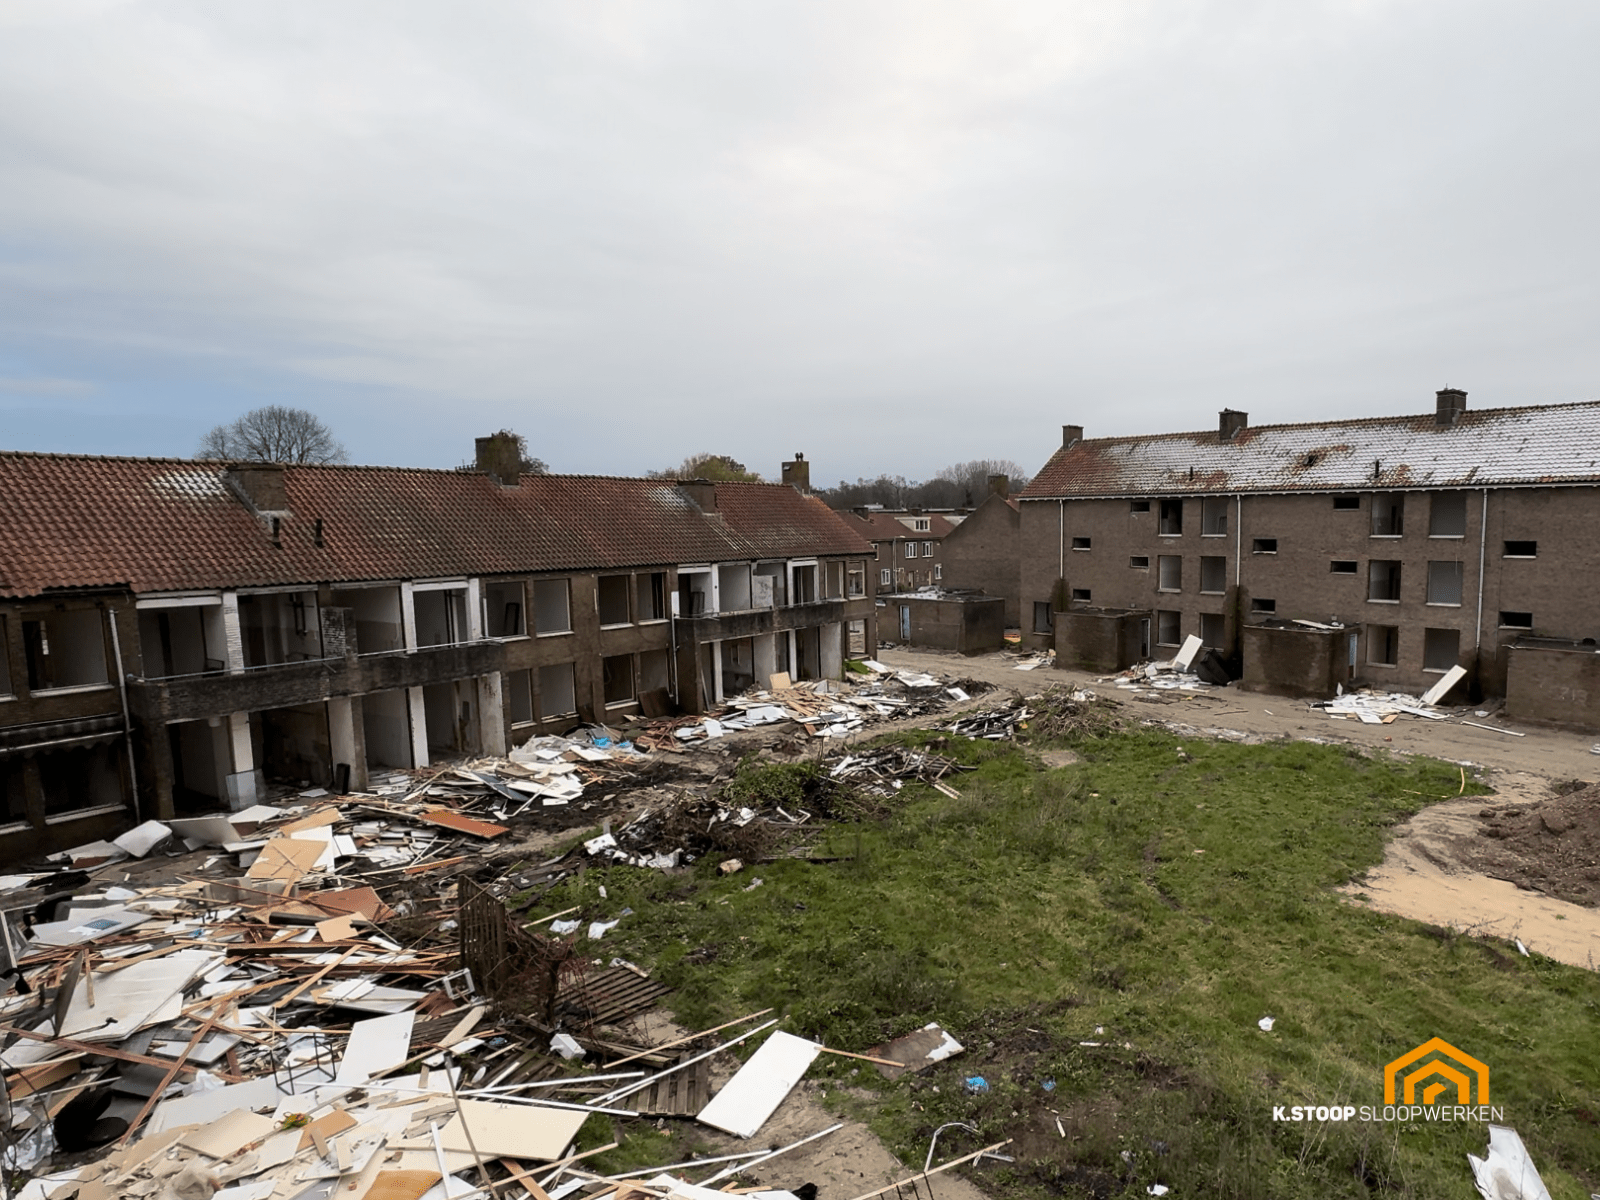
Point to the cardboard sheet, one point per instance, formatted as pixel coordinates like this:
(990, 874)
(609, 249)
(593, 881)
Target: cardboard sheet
(523, 1131)
(750, 1097)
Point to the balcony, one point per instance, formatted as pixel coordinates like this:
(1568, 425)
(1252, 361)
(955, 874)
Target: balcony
(278, 685)
(754, 622)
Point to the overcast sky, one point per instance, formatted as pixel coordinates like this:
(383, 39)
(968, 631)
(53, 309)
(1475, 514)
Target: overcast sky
(893, 236)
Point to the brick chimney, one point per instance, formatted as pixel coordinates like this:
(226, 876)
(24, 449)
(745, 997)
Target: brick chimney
(1071, 435)
(500, 458)
(260, 485)
(1000, 485)
(1229, 423)
(702, 493)
(1452, 402)
(797, 474)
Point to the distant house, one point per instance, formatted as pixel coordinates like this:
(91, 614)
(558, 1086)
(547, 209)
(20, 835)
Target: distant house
(174, 633)
(984, 552)
(1381, 551)
(907, 545)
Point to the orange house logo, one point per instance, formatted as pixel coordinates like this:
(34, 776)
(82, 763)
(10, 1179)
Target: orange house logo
(1424, 1075)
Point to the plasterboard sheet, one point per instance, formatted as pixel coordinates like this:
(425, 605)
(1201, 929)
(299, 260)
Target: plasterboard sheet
(228, 1134)
(1185, 657)
(208, 831)
(1450, 678)
(87, 924)
(133, 997)
(142, 839)
(205, 1106)
(523, 1131)
(374, 1046)
(285, 858)
(750, 1097)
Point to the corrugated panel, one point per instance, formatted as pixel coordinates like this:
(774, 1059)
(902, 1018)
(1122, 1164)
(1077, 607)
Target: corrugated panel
(1555, 444)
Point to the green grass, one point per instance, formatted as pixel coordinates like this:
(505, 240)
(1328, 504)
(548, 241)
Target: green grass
(1172, 892)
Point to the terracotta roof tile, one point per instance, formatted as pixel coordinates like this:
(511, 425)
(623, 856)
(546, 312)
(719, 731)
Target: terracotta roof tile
(70, 521)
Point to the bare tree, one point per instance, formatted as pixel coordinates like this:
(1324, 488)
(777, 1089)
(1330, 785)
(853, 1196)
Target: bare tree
(274, 433)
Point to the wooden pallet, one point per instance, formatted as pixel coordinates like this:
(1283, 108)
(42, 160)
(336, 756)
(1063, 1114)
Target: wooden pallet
(606, 997)
(681, 1094)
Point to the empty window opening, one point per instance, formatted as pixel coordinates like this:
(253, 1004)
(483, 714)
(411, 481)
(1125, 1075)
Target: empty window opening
(1080, 543)
(176, 641)
(694, 593)
(378, 626)
(1522, 550)
(653, 596)
(13, 789)
(769, 585)
(1138, 506)
(653, 672)
(1447, 514)
(1388, 515)
(738, 666)
(1444, 583)
(856, 580)
(1383, 580)
(1260, 605)
(1440, 649)
(611, 599)
(617, 670)
(519, 686)
(552, 608)
(805, 584)
(733, 588)
(1172, 517)
(1214, 516)
(1214, 574)
(1169, 573)
(386, 726)
(1383, 645)
(1516, 620)
(1213, 628)
(1043, 618)
(77, 778)
(1169, 627)
(1139, 562)
(502, 609)
(1346, 503)
(557, 696)
(65, 649)
(1081, 594)
(856, 638)
(1343, 566)
(833, 573)
(282, 627)
(1264, 546)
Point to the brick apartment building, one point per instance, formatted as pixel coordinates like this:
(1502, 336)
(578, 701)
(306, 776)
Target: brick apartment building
(907, 546)
(173, 633)
(982, 552)
(1454, 537)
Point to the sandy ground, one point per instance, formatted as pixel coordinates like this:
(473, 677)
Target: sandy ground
(1423, 875)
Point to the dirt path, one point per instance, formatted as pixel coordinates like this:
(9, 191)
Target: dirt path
(1424, 874)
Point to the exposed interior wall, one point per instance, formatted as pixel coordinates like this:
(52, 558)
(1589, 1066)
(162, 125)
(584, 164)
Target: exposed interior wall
(552, 606)
(612, 599)
(200, 759)
(173, 641)
(519, 697)
(379, 625)
(695, 596)
(831, 650)
(294, 745)
(504, 609)
(738, 666)
(774, 592)
(279, 627)
(451, 710)
(616, 672)
(653, 671)
(734, 590)
(808, 654)
(386, 721)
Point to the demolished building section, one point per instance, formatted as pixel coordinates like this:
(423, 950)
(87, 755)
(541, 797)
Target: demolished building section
(1379, 552)
(173, 632)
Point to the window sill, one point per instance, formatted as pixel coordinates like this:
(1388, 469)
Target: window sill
(1436, 670)
(82, 814)
(1447, 537)
(1204, 592)
(508, 637)
(654, 621)
(1386, 537)
(618, 625)
(1215, 535)
(1169, 535)
(1170, 591)
(1080, 549)
(555, 633)
(15, 827)
(1442, 604)
(1265, 553)
(1169, 645)
(523, 724)
(1516, 628)
(1520, 557)
(74, 690)
(611, 704)
(1385, 666)
(1371, 600)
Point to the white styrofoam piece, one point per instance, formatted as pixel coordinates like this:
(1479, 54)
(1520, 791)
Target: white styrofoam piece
(751, 1096)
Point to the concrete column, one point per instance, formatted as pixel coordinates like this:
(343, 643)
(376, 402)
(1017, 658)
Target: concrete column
(419, 712)
(156, 772)
(765, 657)
(241, 784)
(474, 610)
(832, 640)
(491, 715)
(794, 653)
(716, 671)
(233, 640)
(408, 614)
(347, 738)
